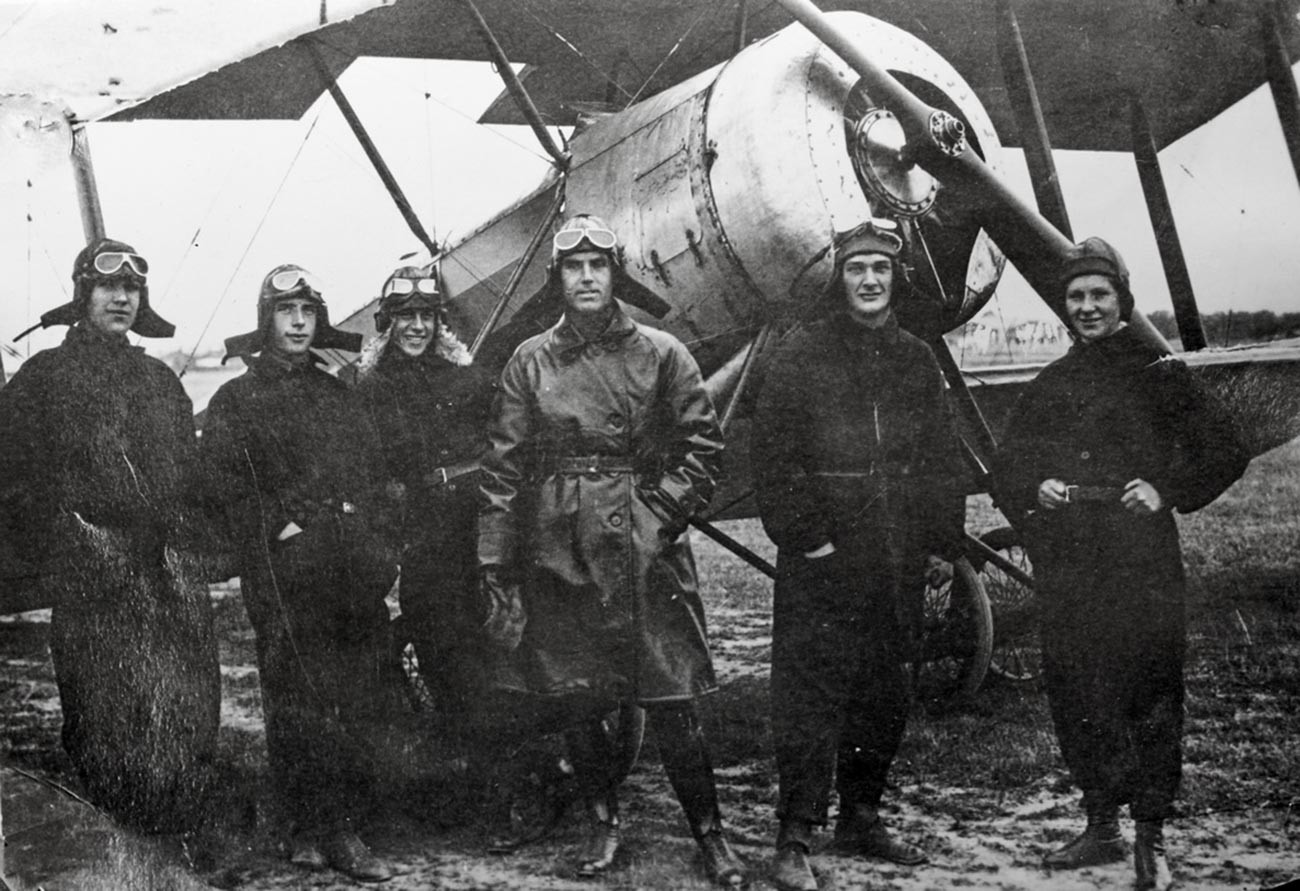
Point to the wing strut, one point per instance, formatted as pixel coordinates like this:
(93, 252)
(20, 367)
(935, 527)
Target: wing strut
(1029, 116)
(517, 274)
(83, 173)
(1281, 79)
(1162, 222)
(740, 28)
(937, 142)
(516, 88)
(368, 146)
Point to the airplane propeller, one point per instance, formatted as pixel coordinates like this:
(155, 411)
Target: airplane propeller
(935, 140)
(942, 227)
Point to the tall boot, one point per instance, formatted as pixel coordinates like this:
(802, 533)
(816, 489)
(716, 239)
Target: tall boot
(791, 870)
(685, 756)
(1149, 863)
(592, 756)
(1100, 842)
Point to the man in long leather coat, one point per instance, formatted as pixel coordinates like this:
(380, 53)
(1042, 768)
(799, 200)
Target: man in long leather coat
(429, 404)
(96, 452)
(292, 462)
(1104, 445)
(603, 442)
(856, 470)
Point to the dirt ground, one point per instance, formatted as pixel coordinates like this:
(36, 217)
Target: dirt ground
(978, 836)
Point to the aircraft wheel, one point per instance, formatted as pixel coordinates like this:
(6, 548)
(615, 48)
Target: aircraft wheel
(956, 637)
(1017, 655)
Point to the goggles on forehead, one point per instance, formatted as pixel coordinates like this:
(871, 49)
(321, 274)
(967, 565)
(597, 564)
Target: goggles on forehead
(568, 239)
(410, 286)
(290, 279)
(111, 263)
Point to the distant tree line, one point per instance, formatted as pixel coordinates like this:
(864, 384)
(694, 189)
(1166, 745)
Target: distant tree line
(1228, 328)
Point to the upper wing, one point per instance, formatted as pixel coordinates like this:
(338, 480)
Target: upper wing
(95, 57)
(1187, 59)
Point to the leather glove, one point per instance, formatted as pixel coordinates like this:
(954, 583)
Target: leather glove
(505, 608)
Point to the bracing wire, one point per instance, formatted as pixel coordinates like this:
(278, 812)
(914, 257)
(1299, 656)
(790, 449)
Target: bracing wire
(194, 239)
(672, 52)
(464, 116)
(225, 291)
(28, 307)
(605, 75)
(428, 141)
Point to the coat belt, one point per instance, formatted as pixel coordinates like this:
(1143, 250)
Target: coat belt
(1107, 494)
(583, 465)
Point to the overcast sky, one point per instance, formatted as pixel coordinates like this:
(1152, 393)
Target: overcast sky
(215, 205)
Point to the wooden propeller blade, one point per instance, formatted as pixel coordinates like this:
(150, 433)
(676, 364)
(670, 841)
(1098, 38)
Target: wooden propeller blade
(936, 143)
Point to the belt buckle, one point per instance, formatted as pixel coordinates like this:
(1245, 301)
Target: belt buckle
(445, 479)
(1071, 493)
(347, 507)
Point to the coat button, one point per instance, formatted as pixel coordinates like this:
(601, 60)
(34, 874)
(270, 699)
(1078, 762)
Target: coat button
(615, 520)
(1085, 455)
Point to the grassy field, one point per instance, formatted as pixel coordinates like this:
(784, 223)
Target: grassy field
(979, 783)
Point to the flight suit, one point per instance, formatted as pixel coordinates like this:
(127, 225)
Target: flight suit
(1111, 583)
(431, 417)
(853, 446)
(288, 448)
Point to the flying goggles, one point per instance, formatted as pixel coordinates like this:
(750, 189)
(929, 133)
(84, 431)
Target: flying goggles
(600, 239)
(410, 286)
(290, 279)
(111, 263)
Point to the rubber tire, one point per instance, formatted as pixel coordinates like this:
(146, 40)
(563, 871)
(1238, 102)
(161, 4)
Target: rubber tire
(954, 658)
(1017, 654)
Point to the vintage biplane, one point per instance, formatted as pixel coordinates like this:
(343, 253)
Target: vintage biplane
(728, 141)
(728, 144)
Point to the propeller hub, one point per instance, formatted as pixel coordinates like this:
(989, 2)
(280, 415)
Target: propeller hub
(948, 133)
(881, 157)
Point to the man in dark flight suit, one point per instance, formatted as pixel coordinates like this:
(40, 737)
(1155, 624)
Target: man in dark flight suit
(291, 456)
(856, 470)
(1103, 446)
(429, 404)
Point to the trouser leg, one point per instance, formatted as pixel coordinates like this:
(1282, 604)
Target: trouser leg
(810, 643)
(684, 752)
(874, 714)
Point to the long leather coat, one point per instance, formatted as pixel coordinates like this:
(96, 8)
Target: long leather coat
(613, 604)
(96, 451)
(1111, 583)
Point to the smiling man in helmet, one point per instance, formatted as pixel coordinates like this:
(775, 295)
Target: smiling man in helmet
(1105, 444)
(290, 454)
(603, 442)
(96, 451)
(856, 472)
(429, 403)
